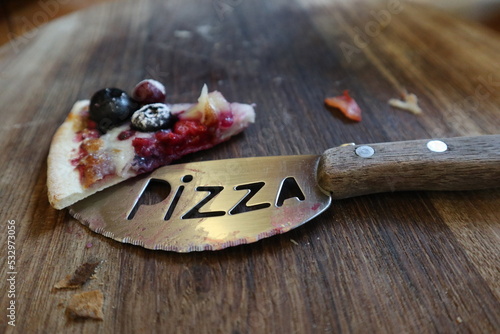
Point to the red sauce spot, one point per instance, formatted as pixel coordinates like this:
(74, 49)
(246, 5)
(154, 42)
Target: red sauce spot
(91, 124)
(78, 137)
(81, 154)
(126, 134)
(315, 206)
(87, 134)
(226, 119)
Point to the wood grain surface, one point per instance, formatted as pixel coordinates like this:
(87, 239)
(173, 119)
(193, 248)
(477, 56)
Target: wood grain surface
(19, 17)
(410, 262)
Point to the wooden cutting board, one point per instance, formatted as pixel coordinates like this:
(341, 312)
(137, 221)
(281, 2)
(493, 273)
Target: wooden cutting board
(400, 263)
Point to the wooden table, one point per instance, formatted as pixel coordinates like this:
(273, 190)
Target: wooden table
(390, 263)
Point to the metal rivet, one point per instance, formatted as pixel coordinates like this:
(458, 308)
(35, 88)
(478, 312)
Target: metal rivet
(365, 151)
(437, 146)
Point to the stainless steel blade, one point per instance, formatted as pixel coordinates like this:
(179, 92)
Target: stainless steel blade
(208, 205)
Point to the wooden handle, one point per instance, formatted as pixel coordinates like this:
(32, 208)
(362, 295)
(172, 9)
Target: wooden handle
(463, 163)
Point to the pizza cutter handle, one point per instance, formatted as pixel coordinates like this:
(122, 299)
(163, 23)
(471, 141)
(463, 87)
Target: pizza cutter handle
(462, 163)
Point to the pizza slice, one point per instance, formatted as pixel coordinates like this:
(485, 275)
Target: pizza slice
(114, 137)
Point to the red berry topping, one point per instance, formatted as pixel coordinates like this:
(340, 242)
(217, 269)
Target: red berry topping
(149, 91)
(126, 134)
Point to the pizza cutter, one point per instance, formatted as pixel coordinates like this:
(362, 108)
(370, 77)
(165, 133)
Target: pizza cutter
(212, 205)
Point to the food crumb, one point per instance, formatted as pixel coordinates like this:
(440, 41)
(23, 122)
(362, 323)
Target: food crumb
(346, 104)
(459, 320)
(183, 34)
(86, 305)
(205, 31)
(409, 103)
(89, 245)
(81, 275)
(294, 242)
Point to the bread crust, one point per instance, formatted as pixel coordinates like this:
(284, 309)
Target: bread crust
(63, 180)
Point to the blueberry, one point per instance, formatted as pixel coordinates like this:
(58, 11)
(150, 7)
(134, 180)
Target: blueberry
(152, 117)
(110, 107)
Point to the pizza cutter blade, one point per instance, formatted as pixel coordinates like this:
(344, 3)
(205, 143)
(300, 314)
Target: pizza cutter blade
(212, 205)
(208, 205)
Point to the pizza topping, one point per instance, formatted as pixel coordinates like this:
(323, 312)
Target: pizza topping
(346, 104)
(206, 109)
(153, 117)
(226, 119)
(110, 107)
(126, 134)
(185, 137)
(95, 167)
(93, 163)
(149, 91)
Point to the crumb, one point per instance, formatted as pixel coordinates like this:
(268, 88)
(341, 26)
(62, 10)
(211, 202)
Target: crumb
(278, 80)
(64, 284)
(459, 320)
(88, 245)
(409, 102)
(346, 104)
(183, 34)
(87, 305)
(81, 275)
(294, 242)
(205, 31)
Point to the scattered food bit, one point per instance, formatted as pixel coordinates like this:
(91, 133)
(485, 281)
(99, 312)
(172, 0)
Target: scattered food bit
(346, 104)
(79, 277)
(278, 80)
(409, 103)
(294, 242)
(459, 320)
(183, 34)
(86, 305)
(64, 284)
(205, 31)
(89, 245)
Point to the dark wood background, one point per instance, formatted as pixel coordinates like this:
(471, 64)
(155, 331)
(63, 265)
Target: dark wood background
(402, 263)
